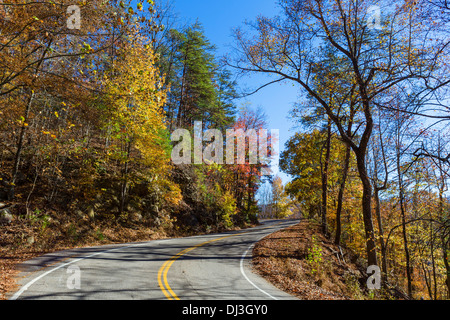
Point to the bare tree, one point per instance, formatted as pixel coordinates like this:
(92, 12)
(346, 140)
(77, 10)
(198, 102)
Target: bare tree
(367, 62)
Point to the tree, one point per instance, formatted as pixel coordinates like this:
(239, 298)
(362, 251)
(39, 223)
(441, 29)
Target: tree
(43, 59)
(247, 175)
(380, 177)
(280, 201)
(196, 94)
(291, 47)
(135, 97)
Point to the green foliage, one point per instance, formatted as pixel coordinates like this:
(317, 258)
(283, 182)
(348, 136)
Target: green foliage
(301, 159)
(314, 255)
(100, 236)
(200, 90)
(37, 217)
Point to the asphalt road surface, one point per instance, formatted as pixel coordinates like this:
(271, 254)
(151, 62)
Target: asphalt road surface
(207, 267)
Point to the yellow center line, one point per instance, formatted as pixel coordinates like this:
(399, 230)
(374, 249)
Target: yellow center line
(164, 270)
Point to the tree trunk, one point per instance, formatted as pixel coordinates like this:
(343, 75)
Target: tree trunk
(447, 266)
(249, 195)
(427, 281)
(15, 170)
(181, 106)
(403, 216)
(381, 231)
(433, 262)
(344, 179)
(124, 186)
(445, 244)
(325, 179)
(345, 168)
(367, 209)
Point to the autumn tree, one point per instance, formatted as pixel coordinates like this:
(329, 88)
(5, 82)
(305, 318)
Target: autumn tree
(247, 172)
(44, 58)
(291, 47)
(135, 98)
(280, 199)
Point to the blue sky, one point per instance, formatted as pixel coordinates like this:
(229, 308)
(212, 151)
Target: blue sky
(218, 18)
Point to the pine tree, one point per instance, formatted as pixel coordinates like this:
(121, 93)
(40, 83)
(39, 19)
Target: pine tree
(199, 89)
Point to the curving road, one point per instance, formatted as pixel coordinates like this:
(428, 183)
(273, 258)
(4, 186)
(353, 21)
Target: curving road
(207, 267)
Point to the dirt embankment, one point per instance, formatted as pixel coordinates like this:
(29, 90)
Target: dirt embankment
(303, 262)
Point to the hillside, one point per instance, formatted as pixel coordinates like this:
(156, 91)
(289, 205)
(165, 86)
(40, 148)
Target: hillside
(304, 263)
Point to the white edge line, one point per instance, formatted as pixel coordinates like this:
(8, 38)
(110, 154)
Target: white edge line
(245, 276)
(30, 283)
(26, 286)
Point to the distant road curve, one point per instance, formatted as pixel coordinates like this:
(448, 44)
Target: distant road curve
(207, 267)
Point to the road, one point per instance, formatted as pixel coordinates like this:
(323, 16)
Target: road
(207, 267)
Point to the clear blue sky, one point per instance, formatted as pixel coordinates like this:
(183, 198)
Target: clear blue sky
(218, 18)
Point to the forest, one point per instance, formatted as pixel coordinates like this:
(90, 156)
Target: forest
(91, 92)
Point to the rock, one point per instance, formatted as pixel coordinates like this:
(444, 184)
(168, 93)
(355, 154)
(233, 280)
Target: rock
(5, 216)
(135, 216)
(80, 214)
(91, 213)
(30, 240)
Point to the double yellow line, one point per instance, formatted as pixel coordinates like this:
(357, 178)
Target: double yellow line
(162, 273)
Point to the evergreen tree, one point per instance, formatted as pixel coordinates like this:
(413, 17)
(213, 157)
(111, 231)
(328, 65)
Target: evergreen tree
(196, 73)
(225, 109)
(200, 90)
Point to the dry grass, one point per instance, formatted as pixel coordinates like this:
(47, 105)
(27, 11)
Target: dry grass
(285, 259)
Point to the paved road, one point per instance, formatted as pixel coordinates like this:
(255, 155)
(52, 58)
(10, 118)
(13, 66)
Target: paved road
(213, 267)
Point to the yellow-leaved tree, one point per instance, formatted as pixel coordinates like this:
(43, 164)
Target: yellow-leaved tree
(139, 142)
